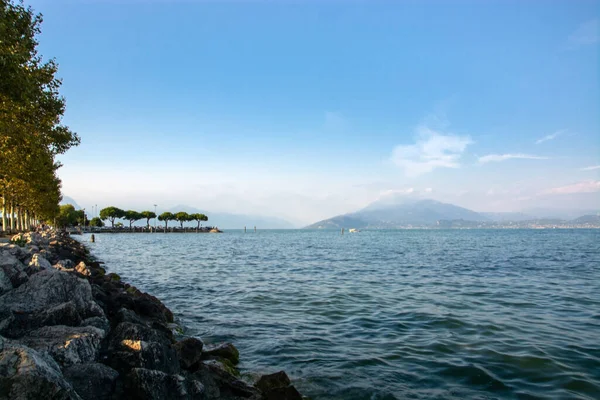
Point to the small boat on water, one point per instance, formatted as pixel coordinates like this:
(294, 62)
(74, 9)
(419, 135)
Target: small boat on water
(352, 230)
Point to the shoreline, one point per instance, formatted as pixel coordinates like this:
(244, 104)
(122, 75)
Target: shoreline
(70, 330)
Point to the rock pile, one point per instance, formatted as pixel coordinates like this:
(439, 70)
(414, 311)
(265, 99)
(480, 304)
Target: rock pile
(69, 330)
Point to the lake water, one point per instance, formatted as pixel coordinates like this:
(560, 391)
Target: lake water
(419, 314)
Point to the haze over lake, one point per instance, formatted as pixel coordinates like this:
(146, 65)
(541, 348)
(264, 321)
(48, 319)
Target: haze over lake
(387, 314)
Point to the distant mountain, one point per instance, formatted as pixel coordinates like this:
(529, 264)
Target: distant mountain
(508, 216)
(587, 219)
(69, 200)
(397, 211)
(236, 221)
(566, 214)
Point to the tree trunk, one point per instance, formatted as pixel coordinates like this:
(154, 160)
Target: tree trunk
(19, 227)
(4, 221)
(12, 217)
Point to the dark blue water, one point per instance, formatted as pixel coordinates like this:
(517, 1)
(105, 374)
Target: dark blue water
(418, 314)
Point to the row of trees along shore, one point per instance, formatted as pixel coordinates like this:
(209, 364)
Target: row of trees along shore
(113, 213)
(31, 131)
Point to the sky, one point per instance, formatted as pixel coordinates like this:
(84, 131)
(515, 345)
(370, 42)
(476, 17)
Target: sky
(308, 109)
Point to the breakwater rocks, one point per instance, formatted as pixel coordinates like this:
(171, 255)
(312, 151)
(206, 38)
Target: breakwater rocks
(69, 330)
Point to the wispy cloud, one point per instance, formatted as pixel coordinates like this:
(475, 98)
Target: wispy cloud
(504, 157)
(586, 34)
(580, 187)
(550, 137)
(592, 168)
(432, 149)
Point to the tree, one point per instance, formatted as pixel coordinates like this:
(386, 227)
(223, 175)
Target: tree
(67, 216)
(166, 217)
(198, 217)
(111, 213)
(31, 109)
(97, 222)
(182, 217)
(148, 215)
(81, 218)
(132, 216)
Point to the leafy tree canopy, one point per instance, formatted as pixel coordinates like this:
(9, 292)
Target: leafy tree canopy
(97, 222)
(111, 213)
(166, 216)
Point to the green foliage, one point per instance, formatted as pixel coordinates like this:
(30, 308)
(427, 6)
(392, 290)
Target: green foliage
(148, 215)
(111, 213)
(166, 217)
(31, 109)
(68, 216)
(97, 222)
(199, 218)
(132, 216)
(182, 217)
(21, 242)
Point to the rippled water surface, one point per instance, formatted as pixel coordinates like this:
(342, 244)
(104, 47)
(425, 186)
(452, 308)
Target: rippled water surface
(387, 314)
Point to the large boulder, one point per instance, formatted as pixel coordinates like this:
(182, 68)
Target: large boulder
(66, 344)
(224, 350)
(17, 251)
(221, 384)
(114, 295)
(28, 374)
(189, 352)
(5, 283)
(277, 386)
(145, 384)
(12, 270)
(132, 345)
(49, 297)
(92, 381)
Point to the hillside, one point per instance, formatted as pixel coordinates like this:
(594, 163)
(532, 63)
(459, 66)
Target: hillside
(393, 212)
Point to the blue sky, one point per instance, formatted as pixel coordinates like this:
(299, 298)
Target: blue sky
(307, 109)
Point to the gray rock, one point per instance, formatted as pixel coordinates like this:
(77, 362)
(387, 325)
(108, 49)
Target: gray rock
(189, 351)
(225, 350)
(15, 250)
(5, 283)
(49, 288)
(277, 386)
(28, 374)
(66, 344)
(98, 322)
(7, 259)
(138, 346)
(143, 383)
(92, 381)
(13, 270)
(38, 261)
(32, 249)
(49, 297)
(220, 384)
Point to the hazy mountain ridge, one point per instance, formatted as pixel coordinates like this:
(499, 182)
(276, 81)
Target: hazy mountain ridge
(236, 221)
(69, 200)
(394, 212)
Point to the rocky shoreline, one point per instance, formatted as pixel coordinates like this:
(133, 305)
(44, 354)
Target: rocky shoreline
(69, 330)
